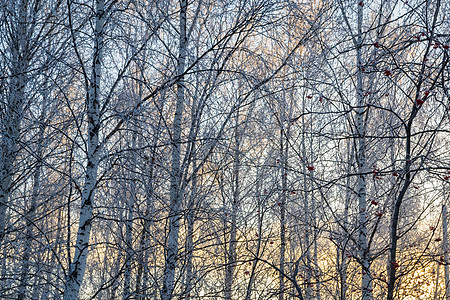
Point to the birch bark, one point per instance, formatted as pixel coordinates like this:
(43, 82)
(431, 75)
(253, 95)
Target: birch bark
(78, 265)
(361, 190)
(176, 195)
(10, 123)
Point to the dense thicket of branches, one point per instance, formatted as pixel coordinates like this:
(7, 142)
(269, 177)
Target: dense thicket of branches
(250, 149)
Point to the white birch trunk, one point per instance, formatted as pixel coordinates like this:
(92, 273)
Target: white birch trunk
(175, 174)
(78, 265)
(361, 190)
(11, 121)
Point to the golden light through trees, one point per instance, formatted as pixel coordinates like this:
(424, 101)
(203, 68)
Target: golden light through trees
(224, 149)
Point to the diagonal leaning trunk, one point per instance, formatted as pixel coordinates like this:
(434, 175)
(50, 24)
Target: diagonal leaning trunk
(176, 195)
(78, 265)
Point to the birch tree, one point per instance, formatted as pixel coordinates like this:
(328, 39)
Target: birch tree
(235, 149)
(78, 264)
(176, 195)
(27, 28)
(408, 174)
(362, 167)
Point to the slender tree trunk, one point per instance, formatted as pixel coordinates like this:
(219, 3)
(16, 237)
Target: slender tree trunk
(190, 243)
(192, 203)
(175, 174)
(260, 213)
(343, 268)
(78, 265)
(142, 271)
(129, 248)
(30, 214)
(409, 146)
(361, 190)
(445, 246)
(436, 286)
(392, 263)
(231, 255)
(115, 271)
(11, 121)
(313, 225)
(141, 284)
(141, 261)
(315, 262)
(144, 241)
(307, 212)
(129, 223)
(308, 273)
(190, 229)
(283, 196)
(342, 275)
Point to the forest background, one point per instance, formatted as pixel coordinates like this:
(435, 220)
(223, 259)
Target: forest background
(229, 149)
